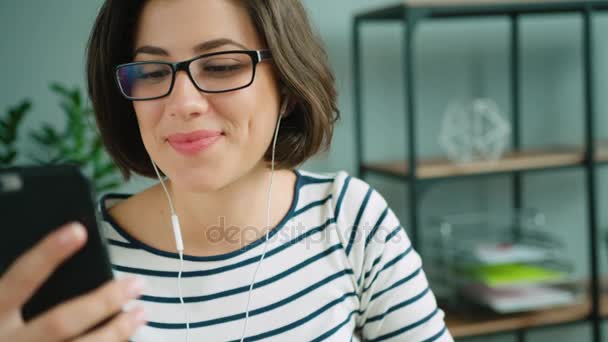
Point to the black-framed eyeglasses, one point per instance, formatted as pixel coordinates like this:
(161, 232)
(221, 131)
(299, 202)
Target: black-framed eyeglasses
(217, 72)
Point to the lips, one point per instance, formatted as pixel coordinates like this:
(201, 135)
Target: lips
(193, 142)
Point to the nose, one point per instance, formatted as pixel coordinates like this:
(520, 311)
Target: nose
(185, 99)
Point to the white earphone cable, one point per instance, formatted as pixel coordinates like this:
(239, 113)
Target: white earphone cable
(179, 243)
(274, 143)
(162, 183)
(180, 250)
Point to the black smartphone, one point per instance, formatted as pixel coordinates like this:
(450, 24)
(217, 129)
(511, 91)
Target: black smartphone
(37, 200)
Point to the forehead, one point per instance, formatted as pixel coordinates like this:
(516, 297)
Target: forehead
(179, 25)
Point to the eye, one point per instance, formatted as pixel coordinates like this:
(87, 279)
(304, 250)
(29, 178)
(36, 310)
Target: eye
(224, 66)
(154, 74)
(222, 69)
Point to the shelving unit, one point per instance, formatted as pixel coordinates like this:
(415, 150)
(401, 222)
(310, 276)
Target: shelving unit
(461, 326)
(524, 160)
(419, 171)
(485, 325)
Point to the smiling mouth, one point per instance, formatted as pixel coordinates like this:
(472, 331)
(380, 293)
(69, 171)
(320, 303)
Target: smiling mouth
(193, 143)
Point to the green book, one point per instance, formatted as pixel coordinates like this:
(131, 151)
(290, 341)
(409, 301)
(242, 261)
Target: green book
(512, 274)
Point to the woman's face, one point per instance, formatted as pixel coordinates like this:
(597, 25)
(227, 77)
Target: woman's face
(242, 121)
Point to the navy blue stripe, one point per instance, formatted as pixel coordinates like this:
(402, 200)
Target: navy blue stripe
(241, 289)
(353, 232)
(172, 274)
(437, 335)
(387, 265)
(270, 307)
(341, 198)
(398, 283)
(109, 219)
(312, 205)
(376, 226)
(407, 327)
(142, 271)
(306, 180)
(332, 331)
(370, 270)
(399, 306)
(393, 233)
(302, 320)
(121, 244)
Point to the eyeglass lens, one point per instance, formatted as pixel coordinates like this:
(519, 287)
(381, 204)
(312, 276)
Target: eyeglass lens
(212, 73)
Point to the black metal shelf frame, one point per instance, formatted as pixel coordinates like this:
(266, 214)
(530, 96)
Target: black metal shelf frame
(411, 16)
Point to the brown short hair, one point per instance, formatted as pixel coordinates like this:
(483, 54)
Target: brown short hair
(299, 59)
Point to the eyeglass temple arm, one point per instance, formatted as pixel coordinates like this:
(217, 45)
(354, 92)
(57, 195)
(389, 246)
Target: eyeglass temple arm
(264, 54)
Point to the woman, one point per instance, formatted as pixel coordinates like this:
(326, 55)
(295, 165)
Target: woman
(221, 100)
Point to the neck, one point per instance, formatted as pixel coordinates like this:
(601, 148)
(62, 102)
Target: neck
(230, 216)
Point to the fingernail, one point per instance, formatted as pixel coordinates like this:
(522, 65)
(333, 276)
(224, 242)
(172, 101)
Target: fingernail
(72, 233)
(135, 286)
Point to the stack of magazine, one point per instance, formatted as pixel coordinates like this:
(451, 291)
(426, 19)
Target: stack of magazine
(504, 262)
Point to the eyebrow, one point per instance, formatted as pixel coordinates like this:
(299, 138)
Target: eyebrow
(200, 48)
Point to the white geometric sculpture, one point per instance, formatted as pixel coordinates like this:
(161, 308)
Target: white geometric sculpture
(474, 131)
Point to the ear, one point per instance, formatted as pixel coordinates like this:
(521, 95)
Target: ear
(287, 103)
(284, 106)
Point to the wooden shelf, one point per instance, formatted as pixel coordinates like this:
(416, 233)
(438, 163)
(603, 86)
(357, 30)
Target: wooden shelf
(461, 325)
(464, 326)
(515, 161)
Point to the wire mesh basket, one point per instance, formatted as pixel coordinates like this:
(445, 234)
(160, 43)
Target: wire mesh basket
(508, 261)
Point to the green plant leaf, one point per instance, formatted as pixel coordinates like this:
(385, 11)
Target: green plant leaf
(97, 154)
(104, 171)
(9, 126)
(8, 158)
(107, 186)
(47, 135)
(59, 89)
(18, 112)
(76, 98)
(78, 142)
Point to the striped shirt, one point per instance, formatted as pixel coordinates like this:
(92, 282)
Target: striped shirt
(338, 267)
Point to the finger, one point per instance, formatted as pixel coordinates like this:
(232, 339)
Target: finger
(76, 316)
(31, 269)
(120, 328)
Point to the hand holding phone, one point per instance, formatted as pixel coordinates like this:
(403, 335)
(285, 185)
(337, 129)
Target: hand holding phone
(73, 318)
(57, 285)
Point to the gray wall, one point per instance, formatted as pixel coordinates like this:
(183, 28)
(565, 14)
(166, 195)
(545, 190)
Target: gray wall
(44, 41)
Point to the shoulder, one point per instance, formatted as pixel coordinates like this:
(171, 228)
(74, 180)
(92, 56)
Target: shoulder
(345, 189)
(356, 202)
(359, 211)
(119, 210)
(120, 205)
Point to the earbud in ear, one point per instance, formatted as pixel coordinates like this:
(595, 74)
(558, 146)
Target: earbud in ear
(284, 104)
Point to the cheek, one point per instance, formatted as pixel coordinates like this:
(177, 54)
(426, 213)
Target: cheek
(260, 129)
(147, 109)
(256, 125)
(148, 116)
(239, 114)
